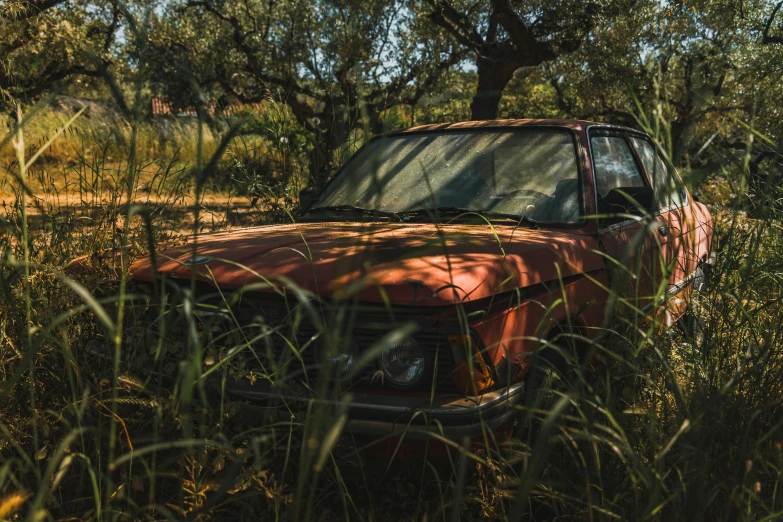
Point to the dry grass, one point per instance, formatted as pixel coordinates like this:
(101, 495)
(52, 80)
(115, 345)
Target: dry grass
(108, 412)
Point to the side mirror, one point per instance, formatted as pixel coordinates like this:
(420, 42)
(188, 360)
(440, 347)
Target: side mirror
(621, 201)
(306, 197)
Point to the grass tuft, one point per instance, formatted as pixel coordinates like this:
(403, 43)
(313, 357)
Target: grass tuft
(114, 399)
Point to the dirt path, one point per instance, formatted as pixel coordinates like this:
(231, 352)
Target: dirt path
(174, 214)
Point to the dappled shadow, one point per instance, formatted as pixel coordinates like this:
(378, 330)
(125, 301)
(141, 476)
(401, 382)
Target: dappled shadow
(523, 172)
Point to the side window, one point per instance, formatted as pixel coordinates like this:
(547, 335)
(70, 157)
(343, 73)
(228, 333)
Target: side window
(614, 164)
(667, 188)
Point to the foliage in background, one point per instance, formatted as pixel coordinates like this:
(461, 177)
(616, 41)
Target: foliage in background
(107, 405)
(339, 67)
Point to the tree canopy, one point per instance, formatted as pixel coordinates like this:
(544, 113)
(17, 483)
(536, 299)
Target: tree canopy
(342, 66)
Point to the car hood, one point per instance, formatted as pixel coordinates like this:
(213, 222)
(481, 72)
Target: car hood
(406, 264)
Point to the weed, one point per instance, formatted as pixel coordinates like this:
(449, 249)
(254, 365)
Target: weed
(114, 401)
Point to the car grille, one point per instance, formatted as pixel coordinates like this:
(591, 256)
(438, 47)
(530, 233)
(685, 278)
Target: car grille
(275, 331)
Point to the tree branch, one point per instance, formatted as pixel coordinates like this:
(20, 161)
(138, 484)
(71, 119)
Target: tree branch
(528, 48)
(50, 76)
(254, 65)
(31, 9)
(431, 79)
(766, 38)
(566, 107)
(446, 16)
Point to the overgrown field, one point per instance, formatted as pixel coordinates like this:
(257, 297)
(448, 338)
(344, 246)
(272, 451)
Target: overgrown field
(112, 405)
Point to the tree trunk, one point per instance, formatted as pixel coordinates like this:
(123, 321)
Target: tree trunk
(332, 132)
(374, 122)
(493, 76)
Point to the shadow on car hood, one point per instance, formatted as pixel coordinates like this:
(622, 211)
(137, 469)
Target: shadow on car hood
(409, 264)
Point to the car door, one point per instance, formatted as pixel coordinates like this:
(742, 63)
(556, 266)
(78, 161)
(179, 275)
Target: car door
(674, 256)
(626, 242)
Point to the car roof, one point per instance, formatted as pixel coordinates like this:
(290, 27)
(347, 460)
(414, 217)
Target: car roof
(577, 125)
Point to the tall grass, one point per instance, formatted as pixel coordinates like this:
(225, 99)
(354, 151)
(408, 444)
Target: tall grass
(114, 402)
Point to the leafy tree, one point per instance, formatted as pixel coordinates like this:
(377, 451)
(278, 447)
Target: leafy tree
(44, 43)
(695, 69)
(774, 37)
(338, 64)
(506, 35)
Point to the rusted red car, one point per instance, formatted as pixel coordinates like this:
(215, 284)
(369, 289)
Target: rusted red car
(414, 286)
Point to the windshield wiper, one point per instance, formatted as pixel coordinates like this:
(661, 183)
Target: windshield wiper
(456, 211)
(354, 208)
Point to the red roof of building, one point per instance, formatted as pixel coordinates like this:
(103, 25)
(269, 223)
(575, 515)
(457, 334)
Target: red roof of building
(160, 106)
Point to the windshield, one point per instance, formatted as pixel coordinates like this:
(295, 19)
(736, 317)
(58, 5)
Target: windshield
(521, 172)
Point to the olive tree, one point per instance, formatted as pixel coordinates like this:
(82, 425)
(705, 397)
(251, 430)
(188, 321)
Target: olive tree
(504, 36)
(337, 64)
(44, 43)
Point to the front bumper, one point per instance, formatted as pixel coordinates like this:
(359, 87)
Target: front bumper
(385, 415)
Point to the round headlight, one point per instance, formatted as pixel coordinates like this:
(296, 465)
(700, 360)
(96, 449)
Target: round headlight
(403, 363)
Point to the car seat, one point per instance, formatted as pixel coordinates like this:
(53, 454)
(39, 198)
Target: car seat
(562, 206)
